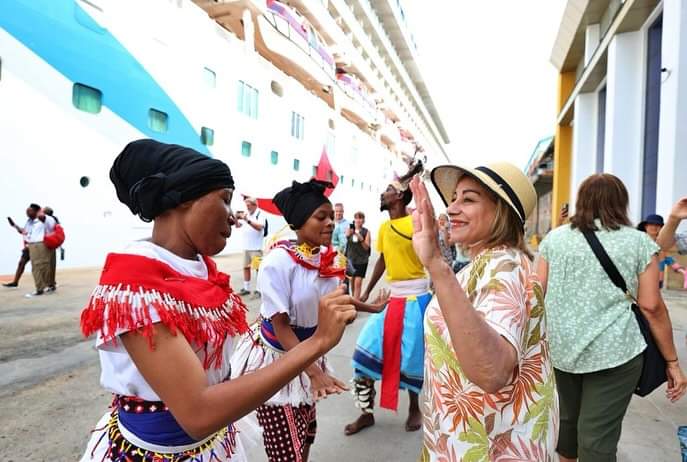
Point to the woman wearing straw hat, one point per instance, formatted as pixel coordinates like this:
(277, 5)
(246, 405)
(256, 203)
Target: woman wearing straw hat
(489, 385)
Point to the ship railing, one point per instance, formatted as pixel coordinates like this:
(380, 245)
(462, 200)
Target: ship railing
(286, 23)
(354, 89)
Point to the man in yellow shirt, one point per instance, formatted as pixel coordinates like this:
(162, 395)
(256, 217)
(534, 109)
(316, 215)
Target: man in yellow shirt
(390, 347)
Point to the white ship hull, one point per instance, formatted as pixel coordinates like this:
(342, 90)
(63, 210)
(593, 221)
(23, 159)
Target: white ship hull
(156, 54)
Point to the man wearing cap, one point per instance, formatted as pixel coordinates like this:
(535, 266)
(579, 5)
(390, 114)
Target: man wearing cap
(253, 230)
(390, 346)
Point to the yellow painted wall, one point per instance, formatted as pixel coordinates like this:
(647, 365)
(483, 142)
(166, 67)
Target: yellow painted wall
(562, 154)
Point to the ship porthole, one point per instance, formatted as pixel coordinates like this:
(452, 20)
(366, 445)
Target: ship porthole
(277, 88)
(84, 181)
(331, 124)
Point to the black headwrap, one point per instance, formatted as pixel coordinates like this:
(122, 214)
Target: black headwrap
(297, 202)
(151, 177)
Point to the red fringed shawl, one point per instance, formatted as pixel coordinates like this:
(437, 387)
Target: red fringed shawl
(205, 311)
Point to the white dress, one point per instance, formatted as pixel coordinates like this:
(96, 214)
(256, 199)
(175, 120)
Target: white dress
(120, 375)
(290, 288)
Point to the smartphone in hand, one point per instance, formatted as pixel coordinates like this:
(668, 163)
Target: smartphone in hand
(11, 221)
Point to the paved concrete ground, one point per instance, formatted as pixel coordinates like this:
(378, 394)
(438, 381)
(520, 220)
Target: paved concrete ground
(50, 397)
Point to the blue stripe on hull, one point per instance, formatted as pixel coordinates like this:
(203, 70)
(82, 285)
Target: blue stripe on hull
(67, 38)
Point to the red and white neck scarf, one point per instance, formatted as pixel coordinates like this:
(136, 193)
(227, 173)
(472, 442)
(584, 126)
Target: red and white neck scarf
(206, 312)
(327, 262)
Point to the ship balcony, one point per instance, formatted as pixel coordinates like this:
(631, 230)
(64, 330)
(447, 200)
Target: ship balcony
(407, 145)
(389, 135)
(319, 16)
(291, 43)
(229, 13)
(355, 102)
(406, 148)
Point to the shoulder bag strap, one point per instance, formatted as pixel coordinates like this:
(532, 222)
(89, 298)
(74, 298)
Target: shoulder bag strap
(606, 262)
(400, 233)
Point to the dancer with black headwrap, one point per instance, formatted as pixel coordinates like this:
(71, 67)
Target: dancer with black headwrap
(292, 278)
(165, 318)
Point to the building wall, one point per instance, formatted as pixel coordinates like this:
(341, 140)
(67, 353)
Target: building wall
(624, 118)
(672, 144)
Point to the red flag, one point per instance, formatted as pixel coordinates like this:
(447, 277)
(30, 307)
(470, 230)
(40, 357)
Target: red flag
(324, 172)
(268, 206)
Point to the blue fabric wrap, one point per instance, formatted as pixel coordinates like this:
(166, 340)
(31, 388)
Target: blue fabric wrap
(268, 335)
(368, 356)
(159, 428)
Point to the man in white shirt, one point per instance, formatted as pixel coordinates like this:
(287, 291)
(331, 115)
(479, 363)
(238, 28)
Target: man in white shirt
(35, 231)
(254, 227)
(31, 213)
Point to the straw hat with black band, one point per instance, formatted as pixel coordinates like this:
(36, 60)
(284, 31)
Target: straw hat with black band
(503, 178)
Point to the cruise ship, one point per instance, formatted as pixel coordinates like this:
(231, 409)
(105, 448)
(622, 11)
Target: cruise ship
(273, 88)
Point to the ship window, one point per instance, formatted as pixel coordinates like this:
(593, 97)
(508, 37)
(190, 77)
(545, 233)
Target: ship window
(274, 157)
(87, 99)
(247, 100)
(210, 77)
(297, 125)
(331, 124)
(277, 88)
(207, 136)
(84, 181)
(296, 164)
(352, 182)
(246, 149)
(158, 121)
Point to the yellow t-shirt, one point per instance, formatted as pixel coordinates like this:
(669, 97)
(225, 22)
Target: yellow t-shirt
(401, 262)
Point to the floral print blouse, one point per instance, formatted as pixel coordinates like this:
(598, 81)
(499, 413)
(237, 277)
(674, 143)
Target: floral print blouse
(462, 422)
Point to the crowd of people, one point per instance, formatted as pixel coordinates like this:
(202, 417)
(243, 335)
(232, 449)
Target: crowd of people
(504, 355)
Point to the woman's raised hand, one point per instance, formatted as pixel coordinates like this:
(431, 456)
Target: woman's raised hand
(335, 311)
(679, 210)
(425, 241)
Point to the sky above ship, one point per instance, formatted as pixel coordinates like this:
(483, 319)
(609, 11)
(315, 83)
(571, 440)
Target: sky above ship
(487, 66)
